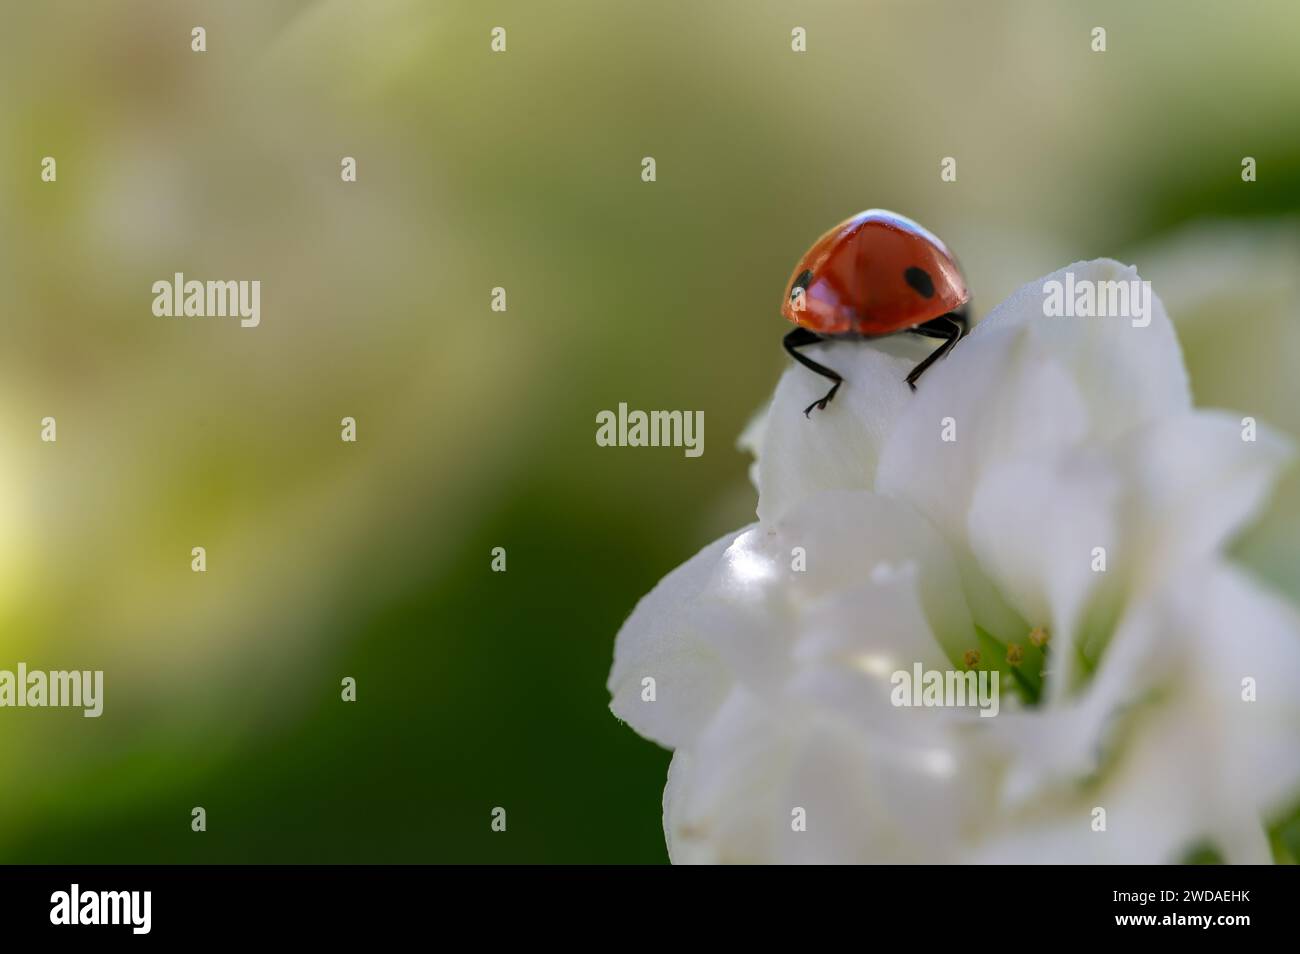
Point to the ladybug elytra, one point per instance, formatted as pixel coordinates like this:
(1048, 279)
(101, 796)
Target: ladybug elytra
(875, 274)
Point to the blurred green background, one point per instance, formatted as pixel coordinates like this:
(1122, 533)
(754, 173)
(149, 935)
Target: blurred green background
(476, 429)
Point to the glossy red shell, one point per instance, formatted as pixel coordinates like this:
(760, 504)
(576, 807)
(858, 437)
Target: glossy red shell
(869, 276)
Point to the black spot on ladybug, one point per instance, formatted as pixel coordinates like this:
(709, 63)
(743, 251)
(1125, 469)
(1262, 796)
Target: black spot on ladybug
(920, 281)
(800, 283)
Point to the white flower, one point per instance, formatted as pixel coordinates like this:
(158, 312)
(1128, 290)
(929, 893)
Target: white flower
(1074, 437)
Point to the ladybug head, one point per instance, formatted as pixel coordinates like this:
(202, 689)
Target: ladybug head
(796, 299)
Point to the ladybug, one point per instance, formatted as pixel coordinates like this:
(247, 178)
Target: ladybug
(875, 274)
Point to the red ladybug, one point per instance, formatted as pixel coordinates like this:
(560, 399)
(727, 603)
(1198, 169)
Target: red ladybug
(876, 274)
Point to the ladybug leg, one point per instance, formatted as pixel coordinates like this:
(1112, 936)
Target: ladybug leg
(941, 327)
(798, 339)
(951, 327)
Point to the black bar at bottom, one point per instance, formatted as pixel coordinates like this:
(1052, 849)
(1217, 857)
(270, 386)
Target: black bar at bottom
(335, 904)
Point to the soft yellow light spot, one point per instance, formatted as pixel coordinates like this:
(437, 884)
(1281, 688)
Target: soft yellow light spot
(13, 540)
(874, 664)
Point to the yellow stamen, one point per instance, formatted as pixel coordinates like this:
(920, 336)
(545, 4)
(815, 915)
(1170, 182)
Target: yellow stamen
(1015, 654)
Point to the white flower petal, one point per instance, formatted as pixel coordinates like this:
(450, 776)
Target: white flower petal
(719, 805)
(865, 797)
(1034, 525)
(877, 627)
(1195, 483)
(836, 448)
(751, 440)
(851, 537)
(1231, 629)
(1128, 375)
(660, 640)
(1003, 399)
